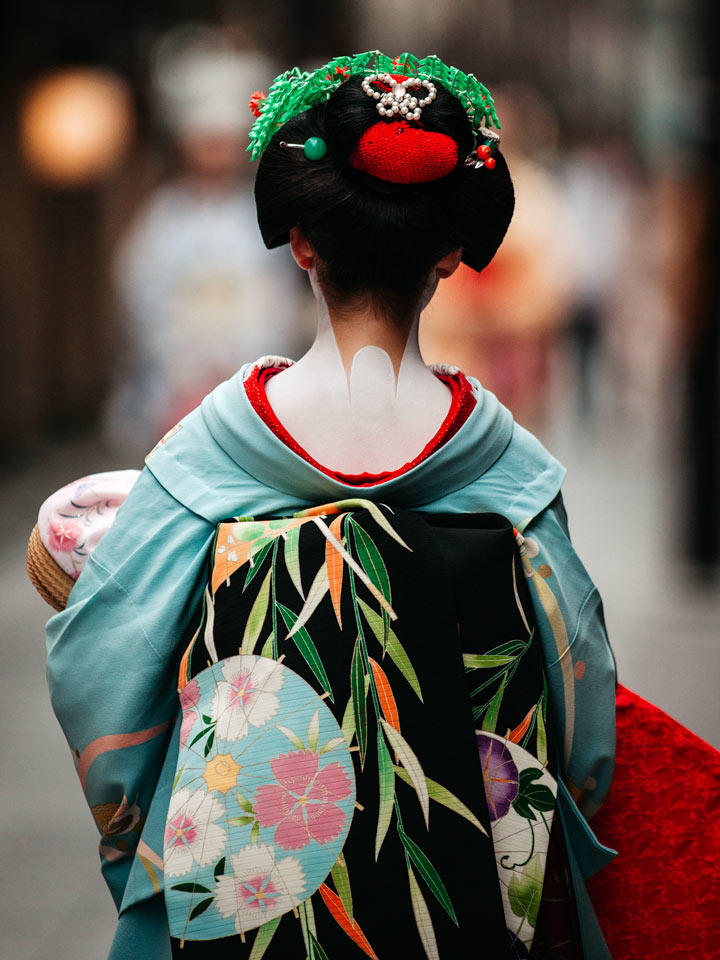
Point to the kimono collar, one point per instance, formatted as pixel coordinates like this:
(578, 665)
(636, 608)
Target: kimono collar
(236, 426)
(222, 461)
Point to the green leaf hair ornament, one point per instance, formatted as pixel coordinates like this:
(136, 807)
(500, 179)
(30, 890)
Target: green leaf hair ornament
(295, 91)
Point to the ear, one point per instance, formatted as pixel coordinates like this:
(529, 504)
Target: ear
(448, 265)
(301, 248)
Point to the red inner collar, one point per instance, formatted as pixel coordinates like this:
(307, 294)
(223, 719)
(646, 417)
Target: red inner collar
(462, 405)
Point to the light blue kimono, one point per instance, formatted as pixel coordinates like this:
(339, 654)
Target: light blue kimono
(113, 652)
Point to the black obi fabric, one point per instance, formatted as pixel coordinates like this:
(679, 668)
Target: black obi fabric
(418, 634)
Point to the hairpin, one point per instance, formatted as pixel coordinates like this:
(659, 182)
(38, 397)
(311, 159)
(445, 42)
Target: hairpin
(314, 148)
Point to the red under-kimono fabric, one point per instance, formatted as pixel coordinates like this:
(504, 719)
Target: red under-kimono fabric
(661, 896)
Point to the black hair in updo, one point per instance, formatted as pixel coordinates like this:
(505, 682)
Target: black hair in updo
(373, 236)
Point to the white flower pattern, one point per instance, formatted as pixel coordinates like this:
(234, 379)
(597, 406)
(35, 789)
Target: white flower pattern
(260, 887)
(246, 698)
(191, 835)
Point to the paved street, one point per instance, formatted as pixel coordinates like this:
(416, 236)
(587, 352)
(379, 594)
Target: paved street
(664, 630)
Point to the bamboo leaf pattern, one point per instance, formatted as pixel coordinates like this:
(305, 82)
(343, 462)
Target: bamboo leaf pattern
(521, 729)
(317, 952)
(335, 568)
(262, 938)
(317, 591)
(258, 612)
(542, 754)
(517, 597)
(341, 880)
(386, 778)
(307, 648)
(357, 685)
(291, 553)
(337, 909)
(256, 561)
(370, 559)
(395, 649)
(411, 763)
(385, 695)
(268, 647)
(443, 796)
(356, 567)
(491, 716)
(307, 925)
(474, 661)
(423, 921)
(358, 504)
(428, 872)
(348, 722)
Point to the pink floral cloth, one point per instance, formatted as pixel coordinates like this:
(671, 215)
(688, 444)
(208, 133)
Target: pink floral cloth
(74, 519)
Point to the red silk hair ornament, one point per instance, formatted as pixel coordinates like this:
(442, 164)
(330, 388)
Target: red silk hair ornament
(399, 153)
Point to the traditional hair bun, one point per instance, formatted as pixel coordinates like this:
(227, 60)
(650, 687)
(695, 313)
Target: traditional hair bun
(383, 183)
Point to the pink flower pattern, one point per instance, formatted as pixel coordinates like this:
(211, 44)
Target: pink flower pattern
(301, 803)
(64, 536)
(189, 696)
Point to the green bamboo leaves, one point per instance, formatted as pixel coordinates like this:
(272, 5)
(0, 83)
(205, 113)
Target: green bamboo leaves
(428, 872)
(292, 557)
(411, 763)
(441, 795)
(263, 937)
(423, 920)
(358, 689)
(258, 612)
(306, 647)
(341, 880)
(491, 715)
(394, 648)
(386, 777)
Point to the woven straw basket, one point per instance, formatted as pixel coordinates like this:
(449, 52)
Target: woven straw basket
(50, 580)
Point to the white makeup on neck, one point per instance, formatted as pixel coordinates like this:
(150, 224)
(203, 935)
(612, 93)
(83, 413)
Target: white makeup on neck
(344, 403)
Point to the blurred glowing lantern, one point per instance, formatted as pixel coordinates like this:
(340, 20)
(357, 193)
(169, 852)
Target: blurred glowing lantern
(75, 124)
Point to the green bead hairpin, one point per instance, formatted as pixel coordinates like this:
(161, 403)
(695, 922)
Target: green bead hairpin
(314, 148)
(294, 91)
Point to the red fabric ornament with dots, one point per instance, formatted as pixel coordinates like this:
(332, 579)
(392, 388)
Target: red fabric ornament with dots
(394, 150)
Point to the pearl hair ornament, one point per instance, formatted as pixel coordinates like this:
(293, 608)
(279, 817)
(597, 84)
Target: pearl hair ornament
(398, 100)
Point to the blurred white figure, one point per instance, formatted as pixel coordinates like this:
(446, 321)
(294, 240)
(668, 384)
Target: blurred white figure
(201, 293)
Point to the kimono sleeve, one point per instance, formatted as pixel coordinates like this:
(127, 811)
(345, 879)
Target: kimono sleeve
(579, 662)
(112, 662)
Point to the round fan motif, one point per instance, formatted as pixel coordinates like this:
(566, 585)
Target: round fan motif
(262, 801)
(521, 797)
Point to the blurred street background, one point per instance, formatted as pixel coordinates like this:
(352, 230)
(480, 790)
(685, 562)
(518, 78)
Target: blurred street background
(132, 279)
